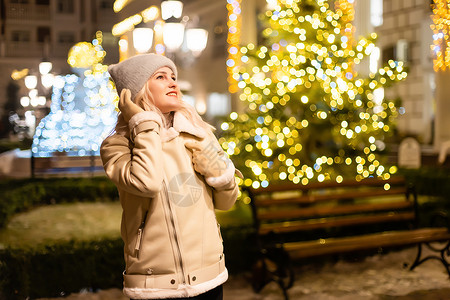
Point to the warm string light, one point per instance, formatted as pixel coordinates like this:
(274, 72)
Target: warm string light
(233, 39)
(441, 30)
(309, 118)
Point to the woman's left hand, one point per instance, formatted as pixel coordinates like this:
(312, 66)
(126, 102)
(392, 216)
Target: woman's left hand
(207, 159)
(126, 106)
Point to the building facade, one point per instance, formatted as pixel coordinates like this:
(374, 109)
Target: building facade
(35, 30)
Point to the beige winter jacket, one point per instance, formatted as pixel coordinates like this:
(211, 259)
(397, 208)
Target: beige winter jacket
(173, 246)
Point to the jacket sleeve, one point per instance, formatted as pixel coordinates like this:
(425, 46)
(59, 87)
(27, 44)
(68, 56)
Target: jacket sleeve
(225, 196)
(225, 189)
(135, 164)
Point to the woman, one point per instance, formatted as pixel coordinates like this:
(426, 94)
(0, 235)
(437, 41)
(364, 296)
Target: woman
(171, 174)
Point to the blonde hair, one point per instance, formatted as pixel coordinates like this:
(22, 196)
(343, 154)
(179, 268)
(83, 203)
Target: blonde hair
(145, 101)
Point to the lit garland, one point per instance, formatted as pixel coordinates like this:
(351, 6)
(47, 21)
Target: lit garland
(82, 112)
(346, 11)
(123, 48)
(441, 36)
(233, 39)
(16, 74)
(149, 14)
(120, 4)
(309, 118)
(126, 25)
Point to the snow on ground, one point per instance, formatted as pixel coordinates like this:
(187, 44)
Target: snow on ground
(379, 277)
(375, 277)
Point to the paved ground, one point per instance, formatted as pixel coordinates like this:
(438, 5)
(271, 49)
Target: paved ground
(379, 277)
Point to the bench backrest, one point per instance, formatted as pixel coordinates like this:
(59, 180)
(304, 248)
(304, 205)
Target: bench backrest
(288, 208)
(67, 166)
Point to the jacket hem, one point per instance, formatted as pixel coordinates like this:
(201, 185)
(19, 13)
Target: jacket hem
(183, 290)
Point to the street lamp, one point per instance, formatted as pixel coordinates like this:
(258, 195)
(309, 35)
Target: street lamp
(45, 67)
(47, 78)
(34, 103)
(196, 39)
(31, 82)
(171, 8)
(173, 35)
(171, 30)
(142, 39)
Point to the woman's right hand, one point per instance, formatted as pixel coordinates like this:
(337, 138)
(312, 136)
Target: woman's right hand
(126, 106)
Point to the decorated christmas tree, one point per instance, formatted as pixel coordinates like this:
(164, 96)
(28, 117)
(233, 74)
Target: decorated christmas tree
(309, 115)
(82, 111)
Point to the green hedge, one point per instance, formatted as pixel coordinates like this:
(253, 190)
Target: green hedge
(430, 181)
(68, 267)
(21, 195)
(59, 269)
(7, 145)
(435, 184)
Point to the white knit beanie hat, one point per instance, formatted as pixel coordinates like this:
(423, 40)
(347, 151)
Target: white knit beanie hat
(134, 72)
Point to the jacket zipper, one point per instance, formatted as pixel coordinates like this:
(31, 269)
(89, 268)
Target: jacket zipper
(177, 242)
(220, 232)
(140, 234)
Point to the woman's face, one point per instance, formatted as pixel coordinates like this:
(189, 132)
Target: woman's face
(164, 90)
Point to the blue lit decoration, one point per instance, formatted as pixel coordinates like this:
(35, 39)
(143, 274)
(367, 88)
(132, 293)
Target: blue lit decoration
(83, 110)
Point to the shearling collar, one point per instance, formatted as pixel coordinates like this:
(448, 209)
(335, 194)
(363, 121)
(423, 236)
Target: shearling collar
(182, 124)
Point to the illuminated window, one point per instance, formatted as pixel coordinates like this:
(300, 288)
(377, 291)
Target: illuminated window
(189, 99)
(376, 12)
(374, 60)
(218, 105)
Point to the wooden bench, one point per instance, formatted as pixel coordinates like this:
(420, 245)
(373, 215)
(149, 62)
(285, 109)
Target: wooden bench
(62, 165)
(295, 221)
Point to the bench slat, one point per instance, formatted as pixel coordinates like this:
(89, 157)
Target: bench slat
(327, 185)
(286, 227)
(365, 242)
(316, 212)
(330, 197)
